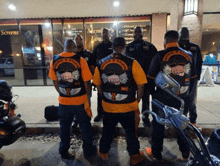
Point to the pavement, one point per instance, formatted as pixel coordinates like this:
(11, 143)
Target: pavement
(41, 148)
(33, 100)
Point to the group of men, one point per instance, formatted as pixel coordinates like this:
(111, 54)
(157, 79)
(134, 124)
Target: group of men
(123, 76)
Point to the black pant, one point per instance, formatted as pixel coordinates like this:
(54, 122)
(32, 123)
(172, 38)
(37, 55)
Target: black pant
(158, 129)
(100, 110)
(127, 120)
(192, 104)
(146, 99)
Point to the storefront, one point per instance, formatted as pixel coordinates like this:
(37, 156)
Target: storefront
(28, 45)
(211, 44)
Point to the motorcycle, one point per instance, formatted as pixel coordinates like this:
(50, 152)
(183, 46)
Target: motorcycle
(174, 118)
(11, 126)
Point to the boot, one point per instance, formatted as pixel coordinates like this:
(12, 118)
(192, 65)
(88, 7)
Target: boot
(137, 158)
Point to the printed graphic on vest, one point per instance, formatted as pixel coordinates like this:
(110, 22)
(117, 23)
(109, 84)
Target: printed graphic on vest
(67, 70)
(114, 72)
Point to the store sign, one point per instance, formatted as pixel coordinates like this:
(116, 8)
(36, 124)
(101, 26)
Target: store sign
(9, 32)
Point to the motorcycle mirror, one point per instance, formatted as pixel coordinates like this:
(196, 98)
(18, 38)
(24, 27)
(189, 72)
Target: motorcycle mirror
(167, 83)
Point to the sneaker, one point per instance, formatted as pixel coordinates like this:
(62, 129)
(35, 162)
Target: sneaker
(137, 158)
(149, 153)
(185, 156)
(67, 155)
(98, 118)
(184, 159)
(104, 156)
(198, 127)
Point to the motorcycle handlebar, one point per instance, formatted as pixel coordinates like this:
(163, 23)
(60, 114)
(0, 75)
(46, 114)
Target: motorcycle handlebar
(158, 104)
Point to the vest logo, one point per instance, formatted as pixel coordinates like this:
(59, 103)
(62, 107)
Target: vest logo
(68, 76)
(145, 48)
(193, 48)
(179, 70)
(131, 49)
(115, 79)
(124, 88)
(117, 61)
(66, 60)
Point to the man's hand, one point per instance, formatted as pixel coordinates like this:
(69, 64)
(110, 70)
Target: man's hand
(140, 92)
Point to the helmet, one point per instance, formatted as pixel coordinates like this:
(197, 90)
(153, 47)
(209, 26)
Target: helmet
(5, 91)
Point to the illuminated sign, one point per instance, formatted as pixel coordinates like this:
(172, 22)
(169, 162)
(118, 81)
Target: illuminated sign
(9, 32)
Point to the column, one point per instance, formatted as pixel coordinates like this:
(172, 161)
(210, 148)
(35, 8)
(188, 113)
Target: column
(159, 28)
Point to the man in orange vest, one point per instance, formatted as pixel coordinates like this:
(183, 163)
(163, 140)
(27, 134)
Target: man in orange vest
(118, 78)
(71, 77)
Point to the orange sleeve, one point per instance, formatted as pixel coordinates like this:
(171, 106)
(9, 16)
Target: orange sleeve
(52, 74)
(86, 73)
(138, 73)
(97, 78)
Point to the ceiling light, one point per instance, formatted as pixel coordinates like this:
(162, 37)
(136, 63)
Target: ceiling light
(115, 23)
(12, 7)
(191, 7)
(116, 3)
(47, 24)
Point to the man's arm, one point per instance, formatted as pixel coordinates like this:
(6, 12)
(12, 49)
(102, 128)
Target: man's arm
(153, 71)
(99, 87)
(140, 92)
(56, 85)
(88, 88)
(92, 60)
(199, 63)
(153, 51)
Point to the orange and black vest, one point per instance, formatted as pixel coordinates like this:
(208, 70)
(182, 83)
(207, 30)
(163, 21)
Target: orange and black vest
(166, 59)
(68, 72)
(118, 84)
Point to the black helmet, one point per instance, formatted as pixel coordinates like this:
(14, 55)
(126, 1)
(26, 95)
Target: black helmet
(5, 91)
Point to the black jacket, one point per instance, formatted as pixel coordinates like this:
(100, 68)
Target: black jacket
(101, 51)
(197, 56)
(166, 59)
(143, 52)
(86, 55)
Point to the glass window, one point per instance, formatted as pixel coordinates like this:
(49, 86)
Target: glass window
(37, 49)
(93, 28)
(72, 27)
(58, 39)
(211, 43)
(126, 27)
(10, 49)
